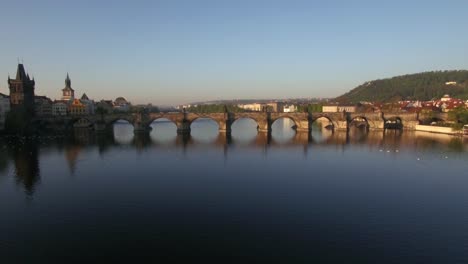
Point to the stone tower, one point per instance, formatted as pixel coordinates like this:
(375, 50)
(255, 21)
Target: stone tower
(22, 91)
(68, 93)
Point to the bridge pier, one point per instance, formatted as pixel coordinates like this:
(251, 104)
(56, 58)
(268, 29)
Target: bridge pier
(100, 127)
(264, 130)
(341, 125)
(302, 137)
(183, 128)
(225, 127)
(378, 124)
(141, 128)
(264, 126)
(263, 138)
(303, 126)
(410, 125)
(303, 129)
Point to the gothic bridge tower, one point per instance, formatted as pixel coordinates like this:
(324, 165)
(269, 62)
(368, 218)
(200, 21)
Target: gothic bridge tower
(22, 91)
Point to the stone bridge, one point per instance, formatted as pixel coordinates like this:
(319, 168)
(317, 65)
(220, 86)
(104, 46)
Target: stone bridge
(302, 121)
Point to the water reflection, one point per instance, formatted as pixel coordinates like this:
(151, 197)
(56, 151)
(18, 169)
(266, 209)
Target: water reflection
(24, 152)
(123, 131)
(163, 131)
(204, 130)
(72, 153)
(3, 160)
(362, 191)
(321, 129)
(244, 130)
(283, 130)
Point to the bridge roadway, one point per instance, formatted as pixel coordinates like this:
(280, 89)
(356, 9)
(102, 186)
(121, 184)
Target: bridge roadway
(303, 121)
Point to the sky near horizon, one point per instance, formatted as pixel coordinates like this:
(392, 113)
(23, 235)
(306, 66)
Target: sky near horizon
(172, 51)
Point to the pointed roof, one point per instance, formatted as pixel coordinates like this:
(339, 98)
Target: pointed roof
(68, 81)
(84, 97)
(67, 84)
(77, 102)
(20, 73)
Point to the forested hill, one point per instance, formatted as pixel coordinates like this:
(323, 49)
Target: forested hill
(420, 86)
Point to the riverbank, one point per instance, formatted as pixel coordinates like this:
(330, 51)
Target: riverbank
(439, 130)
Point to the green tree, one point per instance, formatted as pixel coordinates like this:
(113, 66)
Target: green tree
(459, 116)
(214, 108)
(420, 86)
(310, 108)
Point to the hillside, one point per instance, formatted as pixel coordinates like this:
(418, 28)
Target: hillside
(420, 86)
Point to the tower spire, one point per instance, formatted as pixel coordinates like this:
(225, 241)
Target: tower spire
(20, 73)
(68, 93)
(68, 81)
(22, 90)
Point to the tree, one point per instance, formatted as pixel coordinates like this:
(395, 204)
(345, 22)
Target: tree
(310, 108)
(215, 108)
(459, 116)
(420, 86)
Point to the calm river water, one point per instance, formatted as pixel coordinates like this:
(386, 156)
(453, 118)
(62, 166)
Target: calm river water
(377, 197)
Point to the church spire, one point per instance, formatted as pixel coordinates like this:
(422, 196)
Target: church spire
(68, 93)
(68, 81)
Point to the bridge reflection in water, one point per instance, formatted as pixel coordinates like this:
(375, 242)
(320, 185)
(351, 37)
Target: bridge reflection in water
(163, 136)
(123, 136)
(23, 154)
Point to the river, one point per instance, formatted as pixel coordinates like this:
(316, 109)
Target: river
(361, 197)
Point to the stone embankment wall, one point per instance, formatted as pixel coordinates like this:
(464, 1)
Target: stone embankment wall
(437, 129)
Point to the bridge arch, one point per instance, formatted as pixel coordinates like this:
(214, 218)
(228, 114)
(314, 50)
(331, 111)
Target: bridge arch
(295, 121)
(361, 122)
(244, 130)
(394, 122)
(332, 124)
(113, 120)
(41, 124)
(433, 120)
(250, 118)
(163, 130)
(284, 131)
(80, 122)
(160, 118)
(206, 117)
(204, 129)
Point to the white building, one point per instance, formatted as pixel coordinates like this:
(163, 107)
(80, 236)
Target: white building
(251, 107)
(59, 108)
(289, 108)
(347, 108)
(338, 108)
(445, 98)
(330, 108)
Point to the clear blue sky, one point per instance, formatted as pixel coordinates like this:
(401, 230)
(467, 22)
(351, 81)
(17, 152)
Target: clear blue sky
(173, 51)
